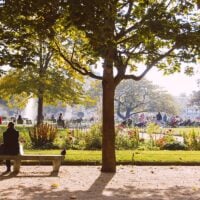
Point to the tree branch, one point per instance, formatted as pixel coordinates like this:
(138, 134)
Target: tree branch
(122, 34)
(127, 17)
(76, 66)
(137, 78)
(48, 58)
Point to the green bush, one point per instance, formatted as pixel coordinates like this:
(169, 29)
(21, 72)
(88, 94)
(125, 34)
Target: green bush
(61, 141)
(43, 135)
(147, 145)
(93, 138)
(192, 140)
(129, 141)
(166, 139)
(25, 139)
(81, 139)
(174, 146)
(153, 128)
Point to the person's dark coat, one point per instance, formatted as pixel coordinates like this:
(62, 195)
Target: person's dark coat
(1, 149)
(159, 117)
(11, 142)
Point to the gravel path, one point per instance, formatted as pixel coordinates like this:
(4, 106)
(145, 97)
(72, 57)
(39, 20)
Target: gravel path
(88, 183)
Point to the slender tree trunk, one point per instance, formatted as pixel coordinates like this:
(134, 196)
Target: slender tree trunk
(108, 142)
(119, 114)
(40, 108)
(128, 112)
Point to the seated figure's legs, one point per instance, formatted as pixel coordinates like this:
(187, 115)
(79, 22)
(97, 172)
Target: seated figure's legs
(8, 165)
(1, 149)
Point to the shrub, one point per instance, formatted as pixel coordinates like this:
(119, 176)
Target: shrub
(164, 140)
(43, 135)
(93, 138)
(153, 128)
(192, 140)
(129, 141)
(174, 146)
(82, 140)
(25, 139)
(147, 145)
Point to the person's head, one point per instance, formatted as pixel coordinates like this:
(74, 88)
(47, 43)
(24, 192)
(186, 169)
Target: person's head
(11, 125)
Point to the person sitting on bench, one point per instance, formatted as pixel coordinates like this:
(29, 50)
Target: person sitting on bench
(10, 143)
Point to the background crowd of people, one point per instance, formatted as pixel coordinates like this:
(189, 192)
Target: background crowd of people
(162, 119)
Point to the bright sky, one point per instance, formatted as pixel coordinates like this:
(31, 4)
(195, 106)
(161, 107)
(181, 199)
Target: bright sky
(175, 84)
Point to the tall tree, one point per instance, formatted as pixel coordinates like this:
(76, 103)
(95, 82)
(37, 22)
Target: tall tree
(125, 34)
(26, 46)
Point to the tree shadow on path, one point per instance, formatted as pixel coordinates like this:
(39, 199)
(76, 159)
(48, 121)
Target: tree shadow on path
(100, 189)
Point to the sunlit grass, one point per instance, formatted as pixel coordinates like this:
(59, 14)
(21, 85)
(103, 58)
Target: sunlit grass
(176, 131)
(78, 156)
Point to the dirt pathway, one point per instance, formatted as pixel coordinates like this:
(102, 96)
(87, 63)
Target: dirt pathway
(88, 183)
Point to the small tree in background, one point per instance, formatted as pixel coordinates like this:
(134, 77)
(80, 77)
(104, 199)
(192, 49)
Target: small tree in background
(37, 69)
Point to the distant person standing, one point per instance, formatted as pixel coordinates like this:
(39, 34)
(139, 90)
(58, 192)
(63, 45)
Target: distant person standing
(11, 143)
(165, 118)
(159, 117)
(19, 120)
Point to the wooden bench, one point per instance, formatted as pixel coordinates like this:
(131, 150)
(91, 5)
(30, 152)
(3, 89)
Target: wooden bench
(56, 160)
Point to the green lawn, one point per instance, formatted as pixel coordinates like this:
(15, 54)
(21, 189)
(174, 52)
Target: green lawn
(181, 130)
(123, 157)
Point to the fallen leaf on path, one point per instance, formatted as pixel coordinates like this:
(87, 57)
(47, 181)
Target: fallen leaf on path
(54, 185)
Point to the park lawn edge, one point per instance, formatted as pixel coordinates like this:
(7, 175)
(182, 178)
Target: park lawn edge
(123, 157)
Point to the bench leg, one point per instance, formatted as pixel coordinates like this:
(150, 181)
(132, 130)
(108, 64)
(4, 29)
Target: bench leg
(16, 165)
(56, 165)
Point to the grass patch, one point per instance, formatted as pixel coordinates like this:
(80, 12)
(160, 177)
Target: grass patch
(123, 157)
(181, 130)
(175, 131)
(167, 156)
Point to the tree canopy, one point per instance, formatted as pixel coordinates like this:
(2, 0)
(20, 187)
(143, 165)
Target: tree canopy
(27, 46)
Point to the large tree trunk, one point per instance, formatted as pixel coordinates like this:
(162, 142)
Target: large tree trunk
(108, 142)
(40, 116)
